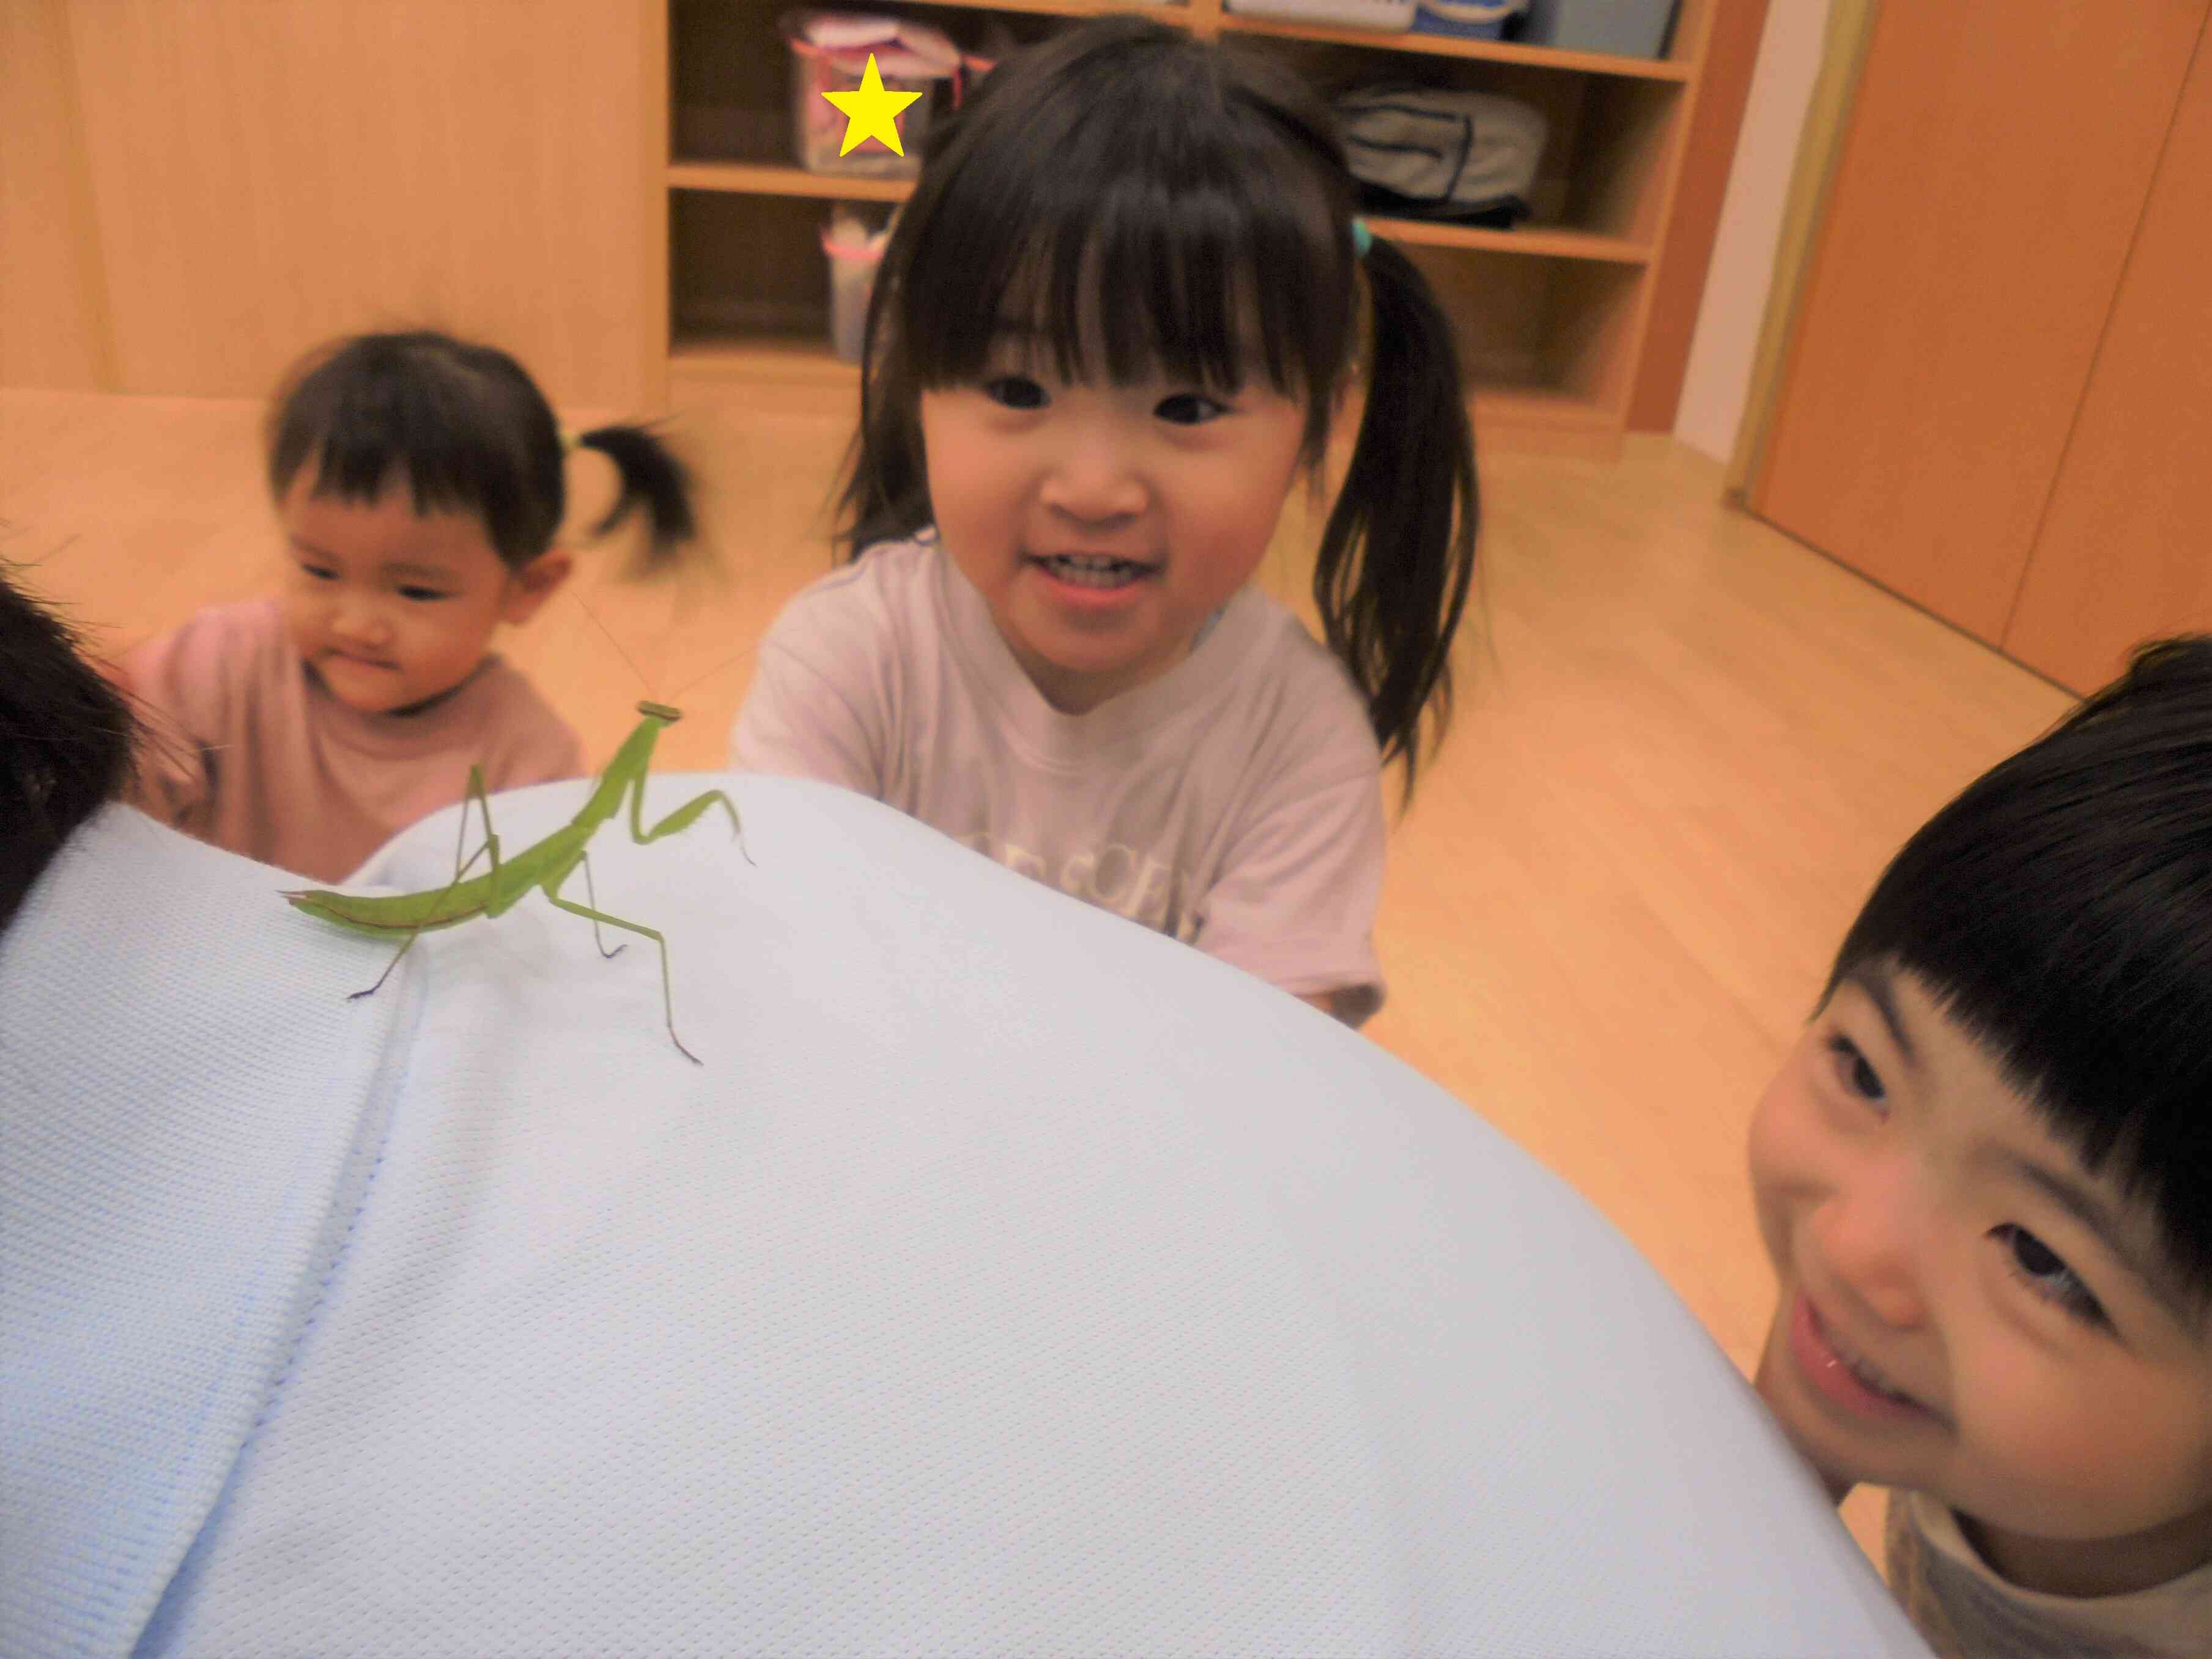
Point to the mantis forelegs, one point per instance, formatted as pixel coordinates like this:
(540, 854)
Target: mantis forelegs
(460, 871)
(683, 817)
(585, 859)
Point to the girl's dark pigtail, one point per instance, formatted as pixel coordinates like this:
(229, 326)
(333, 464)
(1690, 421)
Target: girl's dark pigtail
(653, 474)
(1398, 557)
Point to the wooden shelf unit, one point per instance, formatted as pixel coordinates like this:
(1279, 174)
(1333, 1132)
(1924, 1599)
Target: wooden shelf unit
(1550, 317)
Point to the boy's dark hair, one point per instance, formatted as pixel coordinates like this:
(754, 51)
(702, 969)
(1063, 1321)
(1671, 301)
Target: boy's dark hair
(1206, 189)
(2060, 910)
(65, 741)
(470, 431)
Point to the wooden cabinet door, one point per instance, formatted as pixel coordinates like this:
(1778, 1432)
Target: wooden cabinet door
(2126, 548)
(1997, 163)
(266, 174)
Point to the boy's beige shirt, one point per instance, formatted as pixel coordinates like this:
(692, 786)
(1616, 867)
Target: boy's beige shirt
(1966, 1612)
(247, 750)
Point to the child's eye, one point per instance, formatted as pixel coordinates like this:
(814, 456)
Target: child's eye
(1015, 392)
(1859, 1076)
(2031, 1261)
(1190, 409)
(319, 573)
(423, 594)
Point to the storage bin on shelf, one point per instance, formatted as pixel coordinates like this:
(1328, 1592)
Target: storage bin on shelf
(1627, 28)
(1442, 153)
(830, 52)
(1467, 20)
(1387, 16)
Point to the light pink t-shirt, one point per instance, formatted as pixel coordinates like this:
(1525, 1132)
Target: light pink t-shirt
(1234, 802)
(249, 751)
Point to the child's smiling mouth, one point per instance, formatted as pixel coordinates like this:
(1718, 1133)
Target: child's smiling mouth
(1092, 570)
(1839, 1376)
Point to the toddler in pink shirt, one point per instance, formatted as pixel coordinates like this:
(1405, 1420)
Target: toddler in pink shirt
(420, 482)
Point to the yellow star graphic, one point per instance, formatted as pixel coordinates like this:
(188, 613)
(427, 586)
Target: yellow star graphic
(872, 113)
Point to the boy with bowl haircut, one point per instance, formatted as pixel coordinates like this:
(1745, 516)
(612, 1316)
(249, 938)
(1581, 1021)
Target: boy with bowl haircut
(1985, 1178)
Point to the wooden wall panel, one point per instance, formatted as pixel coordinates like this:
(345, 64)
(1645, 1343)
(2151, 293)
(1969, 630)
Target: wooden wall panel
(2126, 548)
(1989, 188)
(1723, 86)
(54, 330)
(265, 173)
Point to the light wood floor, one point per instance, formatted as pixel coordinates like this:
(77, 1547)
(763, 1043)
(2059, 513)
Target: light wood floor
(1686, 746)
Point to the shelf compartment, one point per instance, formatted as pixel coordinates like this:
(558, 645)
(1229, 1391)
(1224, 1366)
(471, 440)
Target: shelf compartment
(1548, 316)
(1600, 189)
(730, 82)
(750, 264)
(1602, 172)
(1548, 331)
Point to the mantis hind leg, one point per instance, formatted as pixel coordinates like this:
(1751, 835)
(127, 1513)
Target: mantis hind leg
(460, 872)
(667, 997)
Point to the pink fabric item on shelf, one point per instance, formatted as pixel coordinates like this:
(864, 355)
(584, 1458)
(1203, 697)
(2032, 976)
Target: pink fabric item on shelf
(900, 47)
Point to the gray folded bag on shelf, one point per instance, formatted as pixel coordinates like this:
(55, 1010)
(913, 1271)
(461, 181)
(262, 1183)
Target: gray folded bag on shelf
(1438, 153)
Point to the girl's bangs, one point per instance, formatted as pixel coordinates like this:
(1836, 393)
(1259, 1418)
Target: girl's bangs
(1182, 260)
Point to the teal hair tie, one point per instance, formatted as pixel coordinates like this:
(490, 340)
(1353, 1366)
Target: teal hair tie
(1362, 238)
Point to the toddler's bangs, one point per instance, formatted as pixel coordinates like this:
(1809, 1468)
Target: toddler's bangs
(361, 437)
(463, 427)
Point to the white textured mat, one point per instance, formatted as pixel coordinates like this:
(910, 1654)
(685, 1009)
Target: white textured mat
(1009, 1280)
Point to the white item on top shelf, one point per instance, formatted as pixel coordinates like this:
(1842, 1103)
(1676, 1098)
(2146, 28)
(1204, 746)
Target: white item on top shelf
(1386, 16)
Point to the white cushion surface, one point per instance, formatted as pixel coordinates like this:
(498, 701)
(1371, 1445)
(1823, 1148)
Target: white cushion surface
(1008, 1279)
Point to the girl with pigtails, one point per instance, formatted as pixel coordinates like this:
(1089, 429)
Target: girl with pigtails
(1111, 331)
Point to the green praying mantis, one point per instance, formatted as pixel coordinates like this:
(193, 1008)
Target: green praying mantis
(546, 865)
